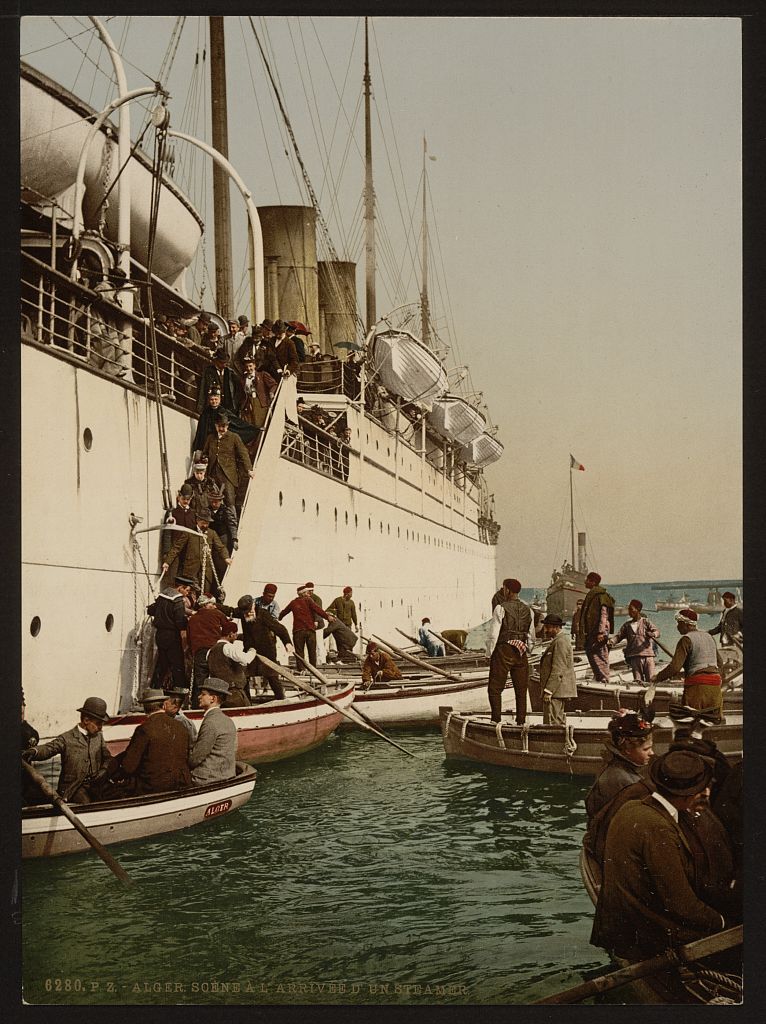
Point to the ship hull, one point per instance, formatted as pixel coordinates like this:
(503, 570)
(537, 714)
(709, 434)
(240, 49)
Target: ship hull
(402, 535)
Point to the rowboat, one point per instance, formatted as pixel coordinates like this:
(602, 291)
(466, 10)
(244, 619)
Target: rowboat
(402, 704)
(623, 692)
(572, 749)
(696, 983)
(45, 832)
(266, 732)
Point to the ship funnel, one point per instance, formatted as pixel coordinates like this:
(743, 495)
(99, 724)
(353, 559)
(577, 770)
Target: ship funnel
(581, 563)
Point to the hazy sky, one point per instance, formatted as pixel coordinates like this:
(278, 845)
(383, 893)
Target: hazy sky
(587, 195)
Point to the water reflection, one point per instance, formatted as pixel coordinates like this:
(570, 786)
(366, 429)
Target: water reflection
(352, 866)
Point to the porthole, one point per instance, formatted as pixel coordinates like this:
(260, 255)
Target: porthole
(356, 520)
(336, 515)
(398, 532)
(388, 450)
(280, 499)
(303, 504)
(109, 623)
(381, 527)
(316, 509)
(377, 445)
(369, 524)
(34, 625)
(87, 439)
(388, 529)
(346, 517)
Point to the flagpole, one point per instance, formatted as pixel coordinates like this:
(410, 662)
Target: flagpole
(571, 511)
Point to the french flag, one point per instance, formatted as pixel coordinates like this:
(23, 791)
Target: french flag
(574, 464)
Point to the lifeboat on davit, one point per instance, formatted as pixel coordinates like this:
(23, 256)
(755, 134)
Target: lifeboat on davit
(406, 367)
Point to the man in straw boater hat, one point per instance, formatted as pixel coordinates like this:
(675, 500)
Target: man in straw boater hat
(82, 750)
(697, 656)
(213, 757)
(595, 624)
(648, 899)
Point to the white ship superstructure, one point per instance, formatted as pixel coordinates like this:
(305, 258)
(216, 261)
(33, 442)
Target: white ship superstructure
(400, 514)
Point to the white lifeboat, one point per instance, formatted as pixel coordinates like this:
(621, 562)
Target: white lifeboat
(456, 419)
(54, 126)
(482, 451)
(406, 367)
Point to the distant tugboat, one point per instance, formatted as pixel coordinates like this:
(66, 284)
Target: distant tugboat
(567, 584)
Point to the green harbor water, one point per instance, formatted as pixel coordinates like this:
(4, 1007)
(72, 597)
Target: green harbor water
(355, 875)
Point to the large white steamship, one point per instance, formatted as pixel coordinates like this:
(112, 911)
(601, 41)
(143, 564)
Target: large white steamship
(405, 519)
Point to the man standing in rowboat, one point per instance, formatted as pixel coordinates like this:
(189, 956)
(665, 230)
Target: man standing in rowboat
(595, 624)
(557, 676)
(511, 635)
(638, 634)
(731, 621)
(698, 657)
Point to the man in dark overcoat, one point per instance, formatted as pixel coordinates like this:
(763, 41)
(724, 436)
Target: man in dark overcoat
(197, 548)
(595, 625)
(228, 461)
(260, 630)
(648, 901)
(82, 750)
(157, 756)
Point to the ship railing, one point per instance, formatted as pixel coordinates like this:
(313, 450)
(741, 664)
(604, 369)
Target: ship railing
(83, 327)
(312, 446)
(329, 376)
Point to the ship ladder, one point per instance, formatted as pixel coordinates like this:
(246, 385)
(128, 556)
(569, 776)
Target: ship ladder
(139, 625)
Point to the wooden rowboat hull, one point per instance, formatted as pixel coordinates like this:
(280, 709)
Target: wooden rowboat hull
(45, 832)
(392, 706)
(573, 749)
(265, 732)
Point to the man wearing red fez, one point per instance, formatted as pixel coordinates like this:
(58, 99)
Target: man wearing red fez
(697, 656)
(638, 633)
(268, 600)
(511, 635)
(595, 624)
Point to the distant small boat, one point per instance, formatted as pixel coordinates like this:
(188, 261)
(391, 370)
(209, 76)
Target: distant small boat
(673, 603)
(572, 749)
(266, 732)
(46, 832)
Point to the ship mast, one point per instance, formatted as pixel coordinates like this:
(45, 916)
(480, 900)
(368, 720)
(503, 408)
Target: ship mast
(224, 295)
(369, 197)
(571, 513)
(424, 311)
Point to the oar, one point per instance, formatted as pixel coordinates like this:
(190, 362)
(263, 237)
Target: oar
(408, 637)
(418, 661)
(684, 954)
(354, 710)
(68, 813)
(320, 696)
(447, 643)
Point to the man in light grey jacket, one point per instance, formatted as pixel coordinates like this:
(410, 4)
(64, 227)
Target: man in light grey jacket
(213, 756)
(557, 676)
